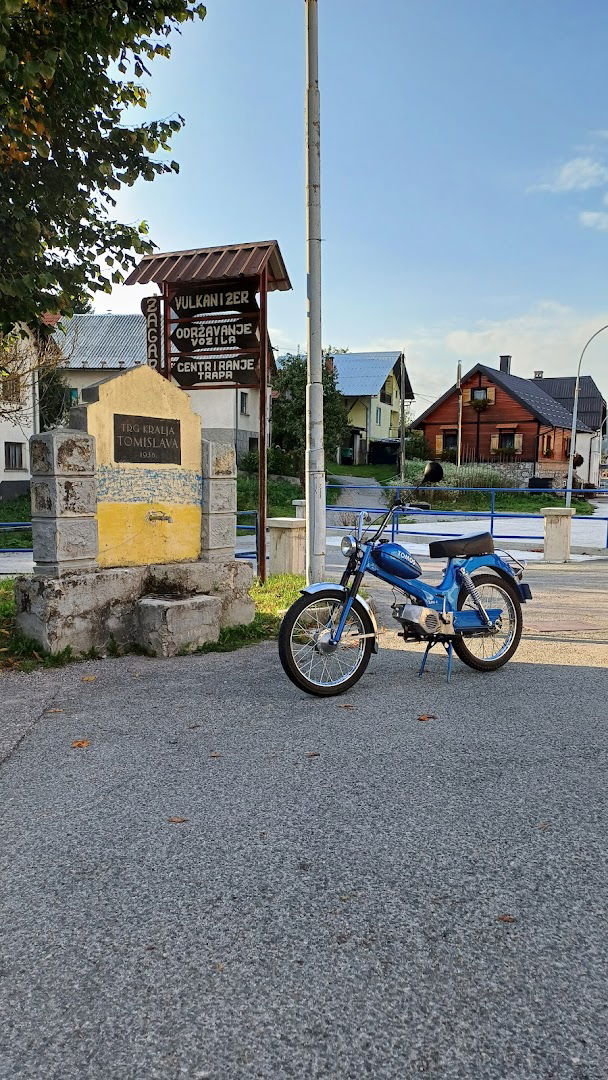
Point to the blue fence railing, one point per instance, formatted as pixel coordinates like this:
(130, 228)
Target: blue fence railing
(13, 526)
(491, 514)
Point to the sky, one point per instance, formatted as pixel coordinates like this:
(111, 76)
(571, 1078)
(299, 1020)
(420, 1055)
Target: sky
(464, 173)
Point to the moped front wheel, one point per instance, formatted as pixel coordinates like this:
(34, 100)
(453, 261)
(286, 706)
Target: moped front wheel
(310, 658)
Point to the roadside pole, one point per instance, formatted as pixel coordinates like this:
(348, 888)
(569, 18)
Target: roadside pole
(402, 420)
(459, 438)
(575, 418)
(314, 458)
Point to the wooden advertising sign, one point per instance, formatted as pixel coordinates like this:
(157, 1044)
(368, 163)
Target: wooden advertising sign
(190, 371)
(150, 307)
(217, 297)
(147, 440)
(213, 335)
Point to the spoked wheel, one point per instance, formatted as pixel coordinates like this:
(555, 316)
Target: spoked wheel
(489, 652)
(309, 657)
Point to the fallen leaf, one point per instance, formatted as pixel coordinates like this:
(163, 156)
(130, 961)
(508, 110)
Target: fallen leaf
(89, 678)
(313, 753)
(177, 820)
(506, 918)
(342, 939)
(192, 727)
(347, 705)
(37, 655)
(544, 825)
(55, 710)
(427, 716)
(219, 968)
(214, 755)
(150, 948)
(79, 744)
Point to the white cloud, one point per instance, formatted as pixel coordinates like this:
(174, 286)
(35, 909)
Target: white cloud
(594, 219)
(579, 174)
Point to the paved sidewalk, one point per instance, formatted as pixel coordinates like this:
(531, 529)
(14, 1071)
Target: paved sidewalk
(347, 892)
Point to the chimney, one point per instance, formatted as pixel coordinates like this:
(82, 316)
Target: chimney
(505, 364)
(329, 363)
(538, 374)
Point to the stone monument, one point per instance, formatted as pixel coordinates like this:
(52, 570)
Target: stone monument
(134, 526)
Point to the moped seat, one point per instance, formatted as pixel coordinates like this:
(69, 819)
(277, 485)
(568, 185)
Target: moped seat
(463, 546)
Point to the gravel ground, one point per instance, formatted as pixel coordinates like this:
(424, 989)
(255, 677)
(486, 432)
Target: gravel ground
(353, 892)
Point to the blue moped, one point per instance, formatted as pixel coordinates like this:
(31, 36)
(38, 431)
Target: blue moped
(328, 635)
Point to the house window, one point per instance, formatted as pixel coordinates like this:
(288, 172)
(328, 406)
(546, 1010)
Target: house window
(11, 389)
(73, 396)
(13, 455)
(378, 416)
(253, 445)
(567, 446)
(244, 404)
(506, 440)
(450, 440)
(480, 393)
(547, 446)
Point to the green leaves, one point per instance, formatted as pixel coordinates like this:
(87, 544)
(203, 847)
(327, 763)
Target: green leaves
(67, 73)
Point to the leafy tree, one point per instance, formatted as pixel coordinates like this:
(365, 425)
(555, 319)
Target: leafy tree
(289, 409)
(69, 69)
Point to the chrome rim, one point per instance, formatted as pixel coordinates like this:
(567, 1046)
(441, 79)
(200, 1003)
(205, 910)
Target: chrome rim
(315, 659)
(492, 646)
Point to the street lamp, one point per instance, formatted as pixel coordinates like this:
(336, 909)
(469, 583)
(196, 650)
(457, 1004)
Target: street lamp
(575, 416)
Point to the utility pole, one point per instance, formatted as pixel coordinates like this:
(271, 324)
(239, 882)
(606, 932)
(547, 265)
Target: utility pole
(314, 459)
(575, 418)
(402, 420)
(459, 437)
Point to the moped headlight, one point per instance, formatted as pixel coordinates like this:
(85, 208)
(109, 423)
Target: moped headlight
(348, 546)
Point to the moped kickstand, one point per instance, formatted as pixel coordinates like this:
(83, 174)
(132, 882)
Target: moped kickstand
(449, 648)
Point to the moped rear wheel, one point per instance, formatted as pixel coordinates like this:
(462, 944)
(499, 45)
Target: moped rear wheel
(306, 652)
(488, 652)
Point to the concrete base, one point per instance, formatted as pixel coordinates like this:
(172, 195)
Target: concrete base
(86, 610)
(558, 533)
(287, 545)
(167, 627)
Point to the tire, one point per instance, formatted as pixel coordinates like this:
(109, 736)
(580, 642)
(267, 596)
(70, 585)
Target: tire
(463, 646)
(312, 614)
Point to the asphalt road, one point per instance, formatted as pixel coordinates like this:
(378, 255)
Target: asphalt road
(353, 892)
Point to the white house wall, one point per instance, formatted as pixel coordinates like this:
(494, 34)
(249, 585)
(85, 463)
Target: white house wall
(15, 481)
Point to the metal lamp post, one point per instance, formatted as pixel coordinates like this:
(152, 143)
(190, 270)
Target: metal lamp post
(314, 462)
(575, 417)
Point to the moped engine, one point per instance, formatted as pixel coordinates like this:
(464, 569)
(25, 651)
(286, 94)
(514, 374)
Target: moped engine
(422, 622)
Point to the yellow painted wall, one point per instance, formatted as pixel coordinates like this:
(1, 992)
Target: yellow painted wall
(357, 416)
(129, 493)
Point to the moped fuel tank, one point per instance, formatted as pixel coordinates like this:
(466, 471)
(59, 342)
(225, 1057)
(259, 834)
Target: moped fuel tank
(396, 560)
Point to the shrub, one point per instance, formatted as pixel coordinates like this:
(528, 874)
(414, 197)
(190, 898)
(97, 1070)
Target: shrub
(250, 462)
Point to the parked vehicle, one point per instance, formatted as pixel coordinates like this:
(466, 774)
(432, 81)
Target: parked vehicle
(329, 634)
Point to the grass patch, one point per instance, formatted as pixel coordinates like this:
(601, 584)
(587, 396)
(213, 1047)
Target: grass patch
(18, 509)
(271, 601)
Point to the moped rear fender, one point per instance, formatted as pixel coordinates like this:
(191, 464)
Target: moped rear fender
(499, 566)
(310, 590)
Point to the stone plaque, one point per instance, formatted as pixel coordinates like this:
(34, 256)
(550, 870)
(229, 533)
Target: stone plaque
(147, 440)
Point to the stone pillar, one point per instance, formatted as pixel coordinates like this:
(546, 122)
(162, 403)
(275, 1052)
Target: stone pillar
(300, 505)
(218, 523)
(558, 530)
(287, 545)
(64, 502)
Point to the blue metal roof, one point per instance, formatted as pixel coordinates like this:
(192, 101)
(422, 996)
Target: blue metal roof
(363, 374)
(103, 341)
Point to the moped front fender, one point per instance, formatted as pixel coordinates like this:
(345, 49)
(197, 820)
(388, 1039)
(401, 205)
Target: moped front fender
(310, 590)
